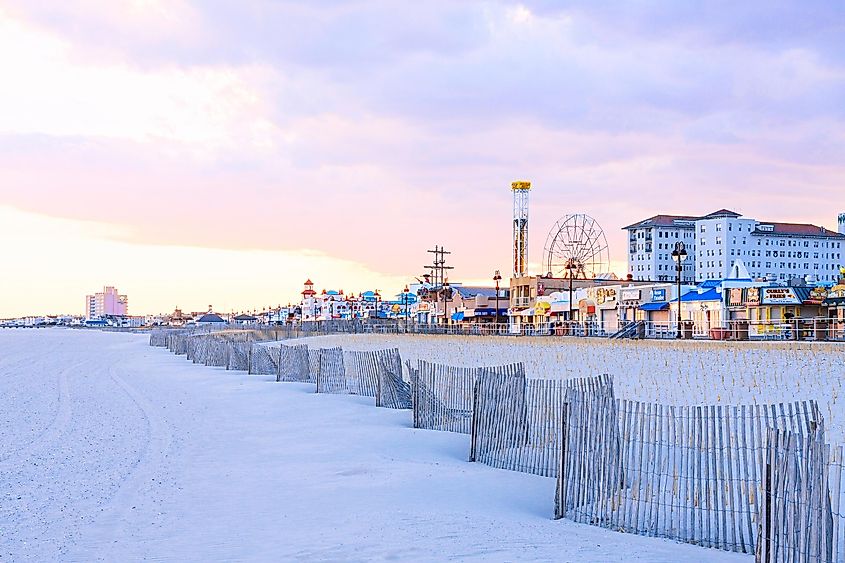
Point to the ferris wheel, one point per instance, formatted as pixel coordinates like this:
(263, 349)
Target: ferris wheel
(576, 247)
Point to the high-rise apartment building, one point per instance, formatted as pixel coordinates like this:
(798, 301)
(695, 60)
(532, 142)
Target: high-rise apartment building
(106, 303)
(714, 243)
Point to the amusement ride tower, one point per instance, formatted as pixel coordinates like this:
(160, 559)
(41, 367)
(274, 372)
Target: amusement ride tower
(520, 227)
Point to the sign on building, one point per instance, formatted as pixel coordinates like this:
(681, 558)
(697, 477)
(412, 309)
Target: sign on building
(779, 296)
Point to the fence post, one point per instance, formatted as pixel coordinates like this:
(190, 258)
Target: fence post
(560, 496)
(474, 428)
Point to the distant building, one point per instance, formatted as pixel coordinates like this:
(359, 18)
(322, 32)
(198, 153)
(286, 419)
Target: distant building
(842, 223)
(774, 251)
(210, 319)
(106, 303)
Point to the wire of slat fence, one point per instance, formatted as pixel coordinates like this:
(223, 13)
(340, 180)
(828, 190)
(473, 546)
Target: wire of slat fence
(518, 424)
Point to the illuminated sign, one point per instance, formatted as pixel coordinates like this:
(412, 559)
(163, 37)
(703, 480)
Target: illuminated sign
(752, 296)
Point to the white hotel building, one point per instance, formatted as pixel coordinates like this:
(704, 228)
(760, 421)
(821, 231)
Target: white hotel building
(775, 251)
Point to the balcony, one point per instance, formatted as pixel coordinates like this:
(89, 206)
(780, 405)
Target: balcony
(521, 301)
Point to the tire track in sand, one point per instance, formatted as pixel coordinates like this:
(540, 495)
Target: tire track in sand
(56, 428)
(113, 524)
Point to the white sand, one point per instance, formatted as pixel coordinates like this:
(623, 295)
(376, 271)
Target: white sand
(111, 450)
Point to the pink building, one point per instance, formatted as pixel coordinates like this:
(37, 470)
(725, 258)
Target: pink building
(108, 302)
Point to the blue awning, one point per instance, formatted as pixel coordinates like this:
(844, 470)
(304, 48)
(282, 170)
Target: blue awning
(658, 306)
(459, 316)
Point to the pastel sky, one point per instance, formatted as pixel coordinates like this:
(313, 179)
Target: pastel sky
(220, 152)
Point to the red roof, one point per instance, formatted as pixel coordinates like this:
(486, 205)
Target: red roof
(800, 229)
(309, 282)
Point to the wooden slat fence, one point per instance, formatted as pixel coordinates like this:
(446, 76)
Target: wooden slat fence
(262, 360)
(240, 355)
(836, 482)
(443, 395)
(331, 378)
(800, 519)
(393, 392)
(691, 473)
(362, 369)
(589, 462)
(314, 364)
(292, 363)
(177, 343)
(158, 337)
(519, 425)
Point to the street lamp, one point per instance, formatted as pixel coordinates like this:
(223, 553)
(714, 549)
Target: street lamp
(679, 255)
(571, 267)
(496, 278)
(377, 295)
(405, 294)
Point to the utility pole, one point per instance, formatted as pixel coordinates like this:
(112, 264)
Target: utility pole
(439, 268)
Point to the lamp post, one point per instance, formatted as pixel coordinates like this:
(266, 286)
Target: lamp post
(405, 294)
(496, 278)
(376, 295)
(571, 267)
(679, 254)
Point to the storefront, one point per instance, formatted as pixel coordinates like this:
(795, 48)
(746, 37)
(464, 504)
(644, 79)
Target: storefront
(656, 311)
(630, 299)
(605, 303)
(834, 307)
(705, 308)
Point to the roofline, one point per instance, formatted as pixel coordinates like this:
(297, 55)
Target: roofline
(673, 217)
(827, 234)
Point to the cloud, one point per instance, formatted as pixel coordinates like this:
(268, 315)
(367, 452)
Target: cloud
(371, 131)
(53, 94)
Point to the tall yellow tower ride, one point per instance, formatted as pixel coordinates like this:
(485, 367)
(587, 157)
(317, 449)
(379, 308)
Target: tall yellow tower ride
(520, 227)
